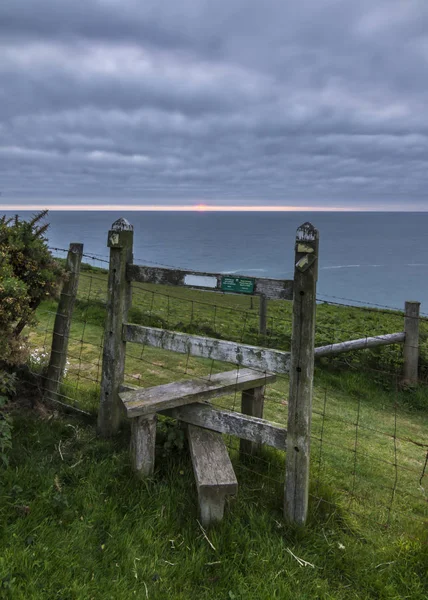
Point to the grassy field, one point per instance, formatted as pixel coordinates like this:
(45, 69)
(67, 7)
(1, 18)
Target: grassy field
(77, 524)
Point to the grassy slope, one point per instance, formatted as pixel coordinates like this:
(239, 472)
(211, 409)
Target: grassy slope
(93, 531)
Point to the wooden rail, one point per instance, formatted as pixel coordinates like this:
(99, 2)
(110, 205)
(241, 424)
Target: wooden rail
(262, 359)
(275, 289)
(367, 342)
(252, 429)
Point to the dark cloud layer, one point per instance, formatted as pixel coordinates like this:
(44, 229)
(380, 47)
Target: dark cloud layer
(233, 101)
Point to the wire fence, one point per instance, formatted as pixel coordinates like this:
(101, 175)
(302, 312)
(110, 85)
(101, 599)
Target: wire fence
(369, 437)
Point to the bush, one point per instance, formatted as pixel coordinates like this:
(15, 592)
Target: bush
(7, 388)
(28, 275)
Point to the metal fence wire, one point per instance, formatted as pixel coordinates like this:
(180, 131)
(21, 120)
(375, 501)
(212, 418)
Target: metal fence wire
(369, 440)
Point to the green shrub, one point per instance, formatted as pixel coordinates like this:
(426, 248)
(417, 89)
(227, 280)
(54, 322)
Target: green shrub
(28, 275)
(7, 389)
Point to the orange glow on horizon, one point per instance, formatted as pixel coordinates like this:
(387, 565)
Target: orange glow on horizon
(38, 205)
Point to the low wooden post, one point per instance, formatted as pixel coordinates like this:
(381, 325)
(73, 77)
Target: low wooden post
(301, 375)
(143, 444)
(263, 315)
(120, 241)
(411, 343)
(61, 331)
(252, 402)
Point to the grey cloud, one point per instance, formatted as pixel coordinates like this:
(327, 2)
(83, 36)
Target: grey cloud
(322, 100)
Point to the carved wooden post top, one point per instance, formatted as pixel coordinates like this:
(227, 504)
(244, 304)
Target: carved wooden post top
(307, 233)
(76, 248)
(120, 234)
(307, 237)
(122, 225)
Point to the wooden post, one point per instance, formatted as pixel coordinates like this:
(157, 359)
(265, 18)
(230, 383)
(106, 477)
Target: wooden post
(263, 315)
(120, 240)
(61, 331)
(252, 402)
(143, 444)
(301, 375)
(411, 343)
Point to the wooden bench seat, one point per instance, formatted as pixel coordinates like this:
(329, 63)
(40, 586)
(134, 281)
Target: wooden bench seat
(214, 474)
(142, 405)
(147, 401)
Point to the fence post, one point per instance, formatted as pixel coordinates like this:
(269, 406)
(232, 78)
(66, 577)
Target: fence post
(61, 330)
(296, 491)
(120, 241)
(252, 401)
(263, 315)
(411, 343)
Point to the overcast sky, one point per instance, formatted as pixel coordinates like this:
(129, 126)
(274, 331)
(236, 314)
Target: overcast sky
(303, 102)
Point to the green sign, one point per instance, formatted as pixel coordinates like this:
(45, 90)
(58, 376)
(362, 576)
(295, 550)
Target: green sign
(240, 285)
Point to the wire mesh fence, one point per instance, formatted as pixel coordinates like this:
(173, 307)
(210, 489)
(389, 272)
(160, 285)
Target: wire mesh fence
(369, 441)
(369, 429)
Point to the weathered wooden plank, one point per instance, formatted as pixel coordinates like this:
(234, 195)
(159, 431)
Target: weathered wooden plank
(253, 429)
(120, 239)
(368, 342)
(61, 330)
(214, 474)
(262, 359)
(252, 402)
(270, 288)
(296, 491)
(411, 344)
(146, 401)
(142, 446)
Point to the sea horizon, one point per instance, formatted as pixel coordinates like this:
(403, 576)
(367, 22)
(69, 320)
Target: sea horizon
(366, 257)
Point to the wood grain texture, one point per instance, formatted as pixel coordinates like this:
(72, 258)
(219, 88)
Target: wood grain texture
(411, 343)
(275, 289)
(214, 474)
(120, 240)
(246, 427)
(252, 402)
(142, 446)
(296, 491)
(61, 330)
(147, 401)
(262, 359)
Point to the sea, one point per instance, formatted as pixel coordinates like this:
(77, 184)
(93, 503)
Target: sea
(365, 258)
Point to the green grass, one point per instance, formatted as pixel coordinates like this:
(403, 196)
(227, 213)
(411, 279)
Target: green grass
(77, 524)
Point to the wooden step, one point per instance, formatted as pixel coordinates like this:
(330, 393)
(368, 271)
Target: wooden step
(214, 474)
(147, 401)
